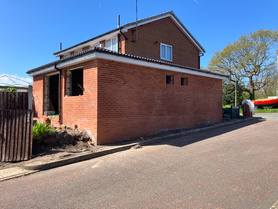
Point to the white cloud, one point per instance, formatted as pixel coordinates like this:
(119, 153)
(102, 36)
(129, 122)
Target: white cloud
(14, 81)
(197, 2)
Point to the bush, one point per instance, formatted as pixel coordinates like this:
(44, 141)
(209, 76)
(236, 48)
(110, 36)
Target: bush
(40, 130)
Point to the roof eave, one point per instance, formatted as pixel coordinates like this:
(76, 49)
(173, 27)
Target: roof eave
(127, 58)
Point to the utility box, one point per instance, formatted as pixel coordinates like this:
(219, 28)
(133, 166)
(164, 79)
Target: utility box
(246, 110)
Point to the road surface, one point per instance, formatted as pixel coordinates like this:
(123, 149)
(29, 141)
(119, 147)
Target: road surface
(230, 167)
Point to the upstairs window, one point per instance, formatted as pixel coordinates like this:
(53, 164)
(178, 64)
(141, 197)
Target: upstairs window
(165, 52)
(99, 45)
(111, 44)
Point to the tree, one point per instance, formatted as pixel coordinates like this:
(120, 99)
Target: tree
(9, 89)
(249, 61)
(269, 90)
(228, 90)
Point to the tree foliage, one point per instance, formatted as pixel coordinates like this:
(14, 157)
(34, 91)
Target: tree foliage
(9, 89)
(228, 90)
(249, 61)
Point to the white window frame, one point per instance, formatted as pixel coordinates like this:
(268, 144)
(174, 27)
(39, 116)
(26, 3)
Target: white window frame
(165, 57)
(111, 40)
(98, 45)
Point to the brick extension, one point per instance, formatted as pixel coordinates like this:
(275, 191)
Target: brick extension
(123, 99)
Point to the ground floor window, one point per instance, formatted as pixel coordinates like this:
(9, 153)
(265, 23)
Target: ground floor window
(169, 79)
(184, 81)
(74, 84)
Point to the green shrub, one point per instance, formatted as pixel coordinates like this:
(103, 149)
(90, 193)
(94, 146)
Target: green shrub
(40, 130)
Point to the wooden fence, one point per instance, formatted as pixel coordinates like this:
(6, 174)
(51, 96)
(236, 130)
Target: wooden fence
(16, 126)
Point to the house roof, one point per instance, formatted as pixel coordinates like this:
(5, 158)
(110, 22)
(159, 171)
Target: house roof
(140, 22)
(8, 81)
(102, 53)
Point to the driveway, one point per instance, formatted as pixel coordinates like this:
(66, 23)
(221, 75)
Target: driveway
(268, 116)
(229, 167)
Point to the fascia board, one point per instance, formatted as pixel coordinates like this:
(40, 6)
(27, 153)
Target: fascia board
(156, 65)
(43, 71)
(127, 61)
(88, 43)
(65, 64)
(188, 35)
(144, 22)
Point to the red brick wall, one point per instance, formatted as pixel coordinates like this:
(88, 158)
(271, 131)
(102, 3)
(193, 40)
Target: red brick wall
(124, 101)
(38, 92)
(135, 101)
(81, 111)
(161, 31)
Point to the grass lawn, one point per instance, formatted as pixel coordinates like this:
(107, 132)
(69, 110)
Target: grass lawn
(267, 110)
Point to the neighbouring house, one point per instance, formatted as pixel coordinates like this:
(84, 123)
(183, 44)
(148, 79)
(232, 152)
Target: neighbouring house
(119, 86)
(14, 82)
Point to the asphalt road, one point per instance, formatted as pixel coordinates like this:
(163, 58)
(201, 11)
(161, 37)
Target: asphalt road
(268, 116)
(230, 167)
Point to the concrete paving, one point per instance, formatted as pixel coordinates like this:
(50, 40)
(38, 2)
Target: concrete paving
(15, 172)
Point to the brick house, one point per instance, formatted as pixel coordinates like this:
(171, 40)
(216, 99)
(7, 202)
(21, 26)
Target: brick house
(120, 86)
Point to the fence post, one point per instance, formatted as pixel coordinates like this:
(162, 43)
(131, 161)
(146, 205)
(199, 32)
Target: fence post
(30, 97)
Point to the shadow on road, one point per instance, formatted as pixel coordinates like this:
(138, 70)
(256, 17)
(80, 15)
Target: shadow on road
(203, 135)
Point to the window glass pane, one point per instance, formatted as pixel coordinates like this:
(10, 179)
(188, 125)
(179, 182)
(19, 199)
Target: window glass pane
(114, 44)
(163, 52)
(169, 79)
(108, 44)
(169, 53)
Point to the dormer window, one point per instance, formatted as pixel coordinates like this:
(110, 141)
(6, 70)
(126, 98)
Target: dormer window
(111, 44)
(165, 52)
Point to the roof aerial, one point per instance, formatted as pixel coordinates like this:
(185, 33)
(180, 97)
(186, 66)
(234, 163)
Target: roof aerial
(130, 25)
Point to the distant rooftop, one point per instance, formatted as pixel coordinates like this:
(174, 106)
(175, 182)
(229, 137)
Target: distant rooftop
(8, 81)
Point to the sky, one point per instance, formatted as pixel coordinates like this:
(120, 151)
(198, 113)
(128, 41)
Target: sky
(31, 30)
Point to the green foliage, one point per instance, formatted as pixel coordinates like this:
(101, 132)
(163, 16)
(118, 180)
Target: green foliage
(267, 110)
(269, 90)
(250, 61)
(228, 94)
(9, 89)
(40, 130)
